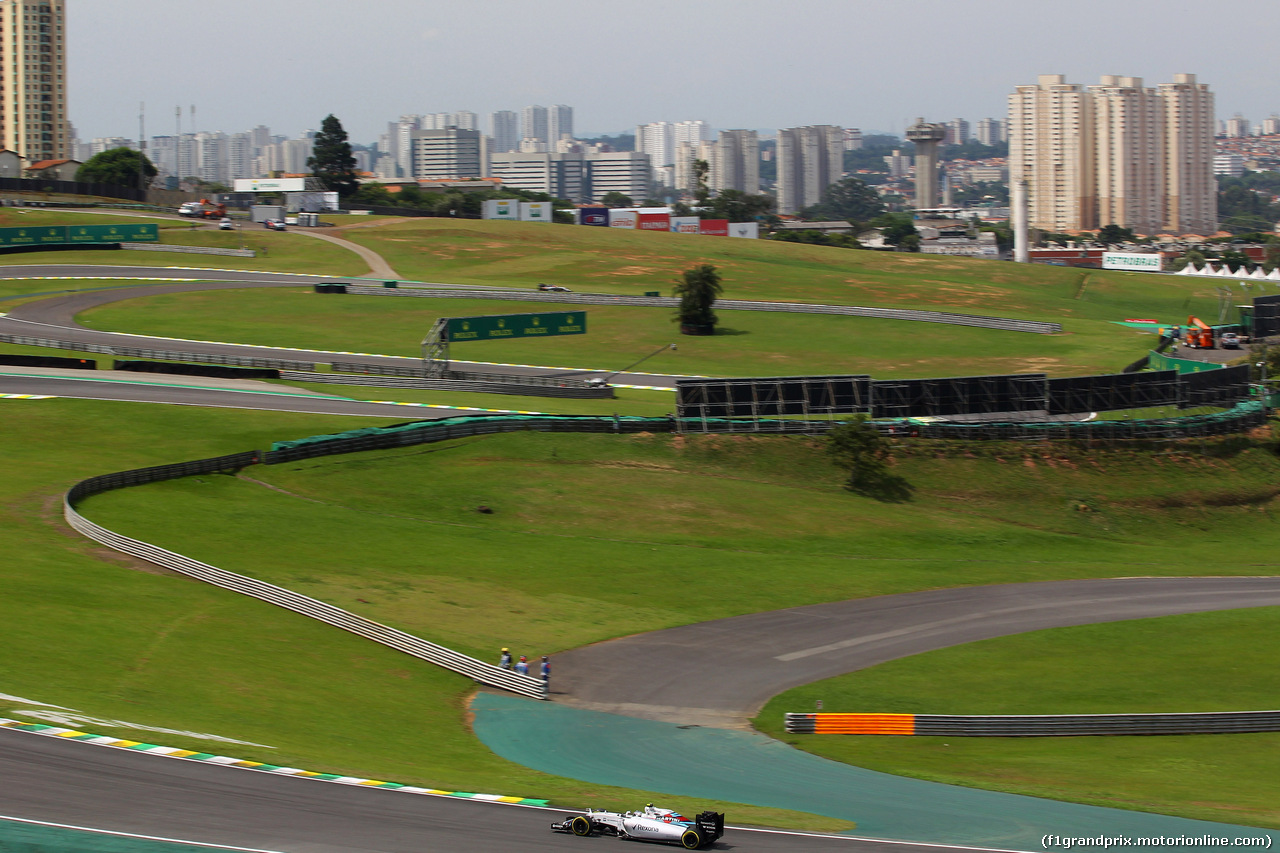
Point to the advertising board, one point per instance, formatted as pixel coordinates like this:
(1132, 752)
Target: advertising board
(498, 327)
(535, 211)
(48, 235)
(715, 227)
(685, 224)
(623, 218)
(501, 208)
(270, 185)
(749, 230)
(597, 216)
(654, 222)
(1132, 261)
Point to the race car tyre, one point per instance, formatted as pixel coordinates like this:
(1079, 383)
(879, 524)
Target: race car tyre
(580, 826)
(691, 840)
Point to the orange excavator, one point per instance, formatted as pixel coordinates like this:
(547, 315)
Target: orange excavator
(1198, 334)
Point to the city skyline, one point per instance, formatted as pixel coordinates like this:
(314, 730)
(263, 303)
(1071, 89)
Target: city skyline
(762, 71)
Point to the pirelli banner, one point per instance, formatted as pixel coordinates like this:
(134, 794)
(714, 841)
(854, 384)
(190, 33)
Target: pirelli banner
(497, 327)
(61, 235)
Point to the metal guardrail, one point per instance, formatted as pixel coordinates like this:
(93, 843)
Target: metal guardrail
(190, 250)
(727, 304)
(162, 355)
(401, 641)
(461, 375)
(1054, 725)
(482, 387)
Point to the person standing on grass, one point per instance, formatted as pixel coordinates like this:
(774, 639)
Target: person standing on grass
(522, 666)
(505, 660)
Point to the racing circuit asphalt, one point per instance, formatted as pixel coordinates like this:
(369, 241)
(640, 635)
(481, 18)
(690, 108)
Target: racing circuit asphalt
(741, 663)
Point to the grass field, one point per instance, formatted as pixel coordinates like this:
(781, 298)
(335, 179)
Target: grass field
(117, 639)
(1200, 662)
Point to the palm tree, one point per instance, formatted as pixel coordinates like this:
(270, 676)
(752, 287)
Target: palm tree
(698, 290)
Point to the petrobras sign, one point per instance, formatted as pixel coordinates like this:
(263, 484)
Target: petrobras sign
(270, 185)
(750, 230)
(598, 216)
(715, 227)
(654, 222)
(685, 224)
(1132, 261)
(501, 208)
(535, 211)
(623, 218)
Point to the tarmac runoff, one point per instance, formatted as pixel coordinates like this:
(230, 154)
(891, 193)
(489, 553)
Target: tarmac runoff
(745, 767)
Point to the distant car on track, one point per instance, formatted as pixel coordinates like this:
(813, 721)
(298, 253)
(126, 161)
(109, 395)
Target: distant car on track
(226, 225)
(553, 288)
(650, 824)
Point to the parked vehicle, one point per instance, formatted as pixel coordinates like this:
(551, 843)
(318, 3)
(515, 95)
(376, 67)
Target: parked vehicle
(226, 225)
(1229, 340)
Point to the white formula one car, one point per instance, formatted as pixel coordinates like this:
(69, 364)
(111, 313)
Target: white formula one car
(651, 824)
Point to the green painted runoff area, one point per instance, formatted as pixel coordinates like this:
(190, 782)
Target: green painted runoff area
(19, 837)
(751, 768)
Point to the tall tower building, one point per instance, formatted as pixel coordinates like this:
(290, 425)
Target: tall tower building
(927, 137)
(990, 131)
(1190, 191)
(736, 165)
(957, 132)
(447, 153)
(810, 159)
(33, 83)
(1128, 154)
(1051, 148)
(559, 124)
(533, 123)
(1115, 153)
(506, 131)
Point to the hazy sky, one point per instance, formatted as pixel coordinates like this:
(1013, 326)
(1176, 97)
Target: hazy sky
(732, 63)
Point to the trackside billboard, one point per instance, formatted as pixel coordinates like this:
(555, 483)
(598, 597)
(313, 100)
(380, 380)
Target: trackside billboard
(598, 216)
(623, 218)
(535, 211)
(750, 230)
(715, 227)
(270, 185)
(685, 224)
(501, 208)
(654, 222)
(1132, 261)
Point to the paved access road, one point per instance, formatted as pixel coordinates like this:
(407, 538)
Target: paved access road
(79, 784)
(54, 317)
(720, 673)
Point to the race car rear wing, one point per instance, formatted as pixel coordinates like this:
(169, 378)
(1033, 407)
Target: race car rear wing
(710, 825)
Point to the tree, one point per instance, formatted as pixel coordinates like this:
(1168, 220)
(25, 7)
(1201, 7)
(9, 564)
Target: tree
(737, 206)
(701, 168)
(118, 166)
(897, 228)
(858, 448)
(698, 289)
(849, 199)
(1109, 235)
(615, 199)
(331, 160)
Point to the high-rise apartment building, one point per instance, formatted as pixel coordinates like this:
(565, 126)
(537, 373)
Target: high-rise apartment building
(33, 87)
(533, 123)
(1115, 153)
(852, 139)
(559, 124)
(1270, 126)
(559, 175)
(990, 131)
(957, 132)
(626, 172)
(737, 162)
(810, 159)
(505, 125)
(1236, 127)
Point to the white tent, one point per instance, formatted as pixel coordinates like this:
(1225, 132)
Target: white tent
(1189, 269)
(1274, 275)
(1257, 273)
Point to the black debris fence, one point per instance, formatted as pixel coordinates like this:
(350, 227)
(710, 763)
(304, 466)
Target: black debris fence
(48, 361)
(217, 370)
(166, 355)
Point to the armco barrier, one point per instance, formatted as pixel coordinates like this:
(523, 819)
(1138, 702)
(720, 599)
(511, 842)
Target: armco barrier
(167, 355)
(576, 391)
(1054, 725)
(727, 304)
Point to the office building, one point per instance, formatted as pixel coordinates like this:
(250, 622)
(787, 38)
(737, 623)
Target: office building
(1116, 153)
(957, 132)
(33, 93)
(448, 153)
(852, 139)
(736, 165)
(505, 126)
(626, 172)
(1228, 165)
(533, 123)
(810, 159)
(559, 175)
